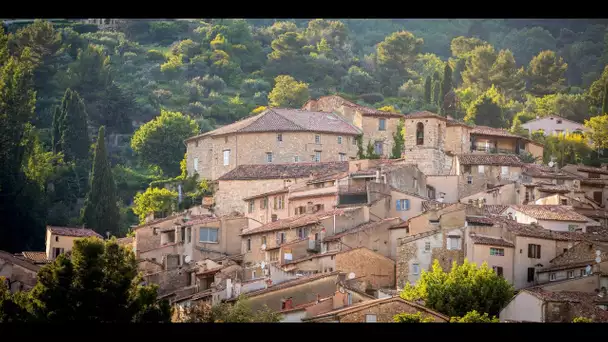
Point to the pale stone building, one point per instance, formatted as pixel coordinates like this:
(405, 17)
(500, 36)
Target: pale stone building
(275, 136)
(553, 124)
(60, 240)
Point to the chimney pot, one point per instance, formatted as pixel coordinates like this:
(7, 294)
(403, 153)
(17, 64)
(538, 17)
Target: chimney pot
(318, 298)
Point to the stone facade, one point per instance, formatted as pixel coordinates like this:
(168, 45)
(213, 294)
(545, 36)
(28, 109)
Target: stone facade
(429, 156)
(376, 270)
(473, 180)
(19, 275)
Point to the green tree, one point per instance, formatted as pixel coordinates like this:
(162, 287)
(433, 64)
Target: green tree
(427, 90)
(370, 152)
(11, 308)
(478, 66)
(358, 81)
(240, 312)
(605, 101)
(545, 74)
(582, 320)
(485, 111)
(56, 133)
(446, 84)
(505, 75)
(154, 201)
(474, 317)
(398, 141)
(360, 151)
(412, 318)
(464, 46)
(598, 130)
(398, 50)
(436, 88)
(288, 92)
(160, 142)
(100, 211)
(97, 282)
(465, 288)
(74, 129)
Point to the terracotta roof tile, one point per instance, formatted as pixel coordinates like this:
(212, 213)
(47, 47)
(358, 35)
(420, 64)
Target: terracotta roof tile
(497, 132)
(280, 171)
(542, 171)
(366, 111)
(551, 212)
(19, 261)
(274, 192)
(489, 159)
(288, 284)
(75, 232)
(593, 213)
(584, 304)
(295, 221)
(590, 169)
(425, 114)
(490, 240)
(480, 220)
(555, 188)
(588, 181)
(567, 266)
(365, 226)
(536, 231)
(36, 257)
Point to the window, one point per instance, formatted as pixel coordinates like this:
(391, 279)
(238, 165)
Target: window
(196, 143)
(593, 175)
(427, 246)
(570, 274)
(504, 170)
(195, 164)
(342, 156)
(533, 251)
(226, 157)
(317, 139)
(597, 196)
(469, 179)
(273, 255)
(208, 235)
(189, 234)
(339, 140)
(354, 141)
(248, 246)
(454, 242)
(263, 239)
(264, 203)
(415, 269)
(279, 202)
(250, 205)
(378, 148)
(280, 238)
(402, 205)
(552, 276)
(581, 273)
(565, 250)
(370, 319)
(498, 270)
(296, 159)
(302, 232)
(279, 137)
(530, 274)
(572, 227)
(564, 201)
(56, 238)
(183, 234)
(559, 121)
(57, 252)
(497, 251)
(467, 169)
(481, 169)
(382, 124)
(273, 218)
(317, 157)
(420, 134)
(269, 157)
(560, 182)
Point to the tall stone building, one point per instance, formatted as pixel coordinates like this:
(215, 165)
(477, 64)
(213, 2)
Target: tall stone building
(275, 136)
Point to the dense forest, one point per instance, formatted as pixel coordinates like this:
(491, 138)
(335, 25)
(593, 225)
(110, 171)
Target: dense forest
(92, 117)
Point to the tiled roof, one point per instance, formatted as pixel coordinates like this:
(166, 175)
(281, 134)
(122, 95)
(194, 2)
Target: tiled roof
(489, 159)
(490, 240)
(590, 181)
(287, 120)
(36, 257)
(19, 261)
(312, 256)
(567, 266)
(590, 169)
(75, 232)
(295, 221)
(497, 132)
(584, 303)
(281, 171)
(555, 188)
(329, 177)
(366, 111)
(542, 171)
(432, 204)
(364, 226)
(494, 209)
(424, 114)
(536, 231)
(550, 212)
(275, 192)
(288, 284)
(480, 220)
(369, 303)
(593, 213)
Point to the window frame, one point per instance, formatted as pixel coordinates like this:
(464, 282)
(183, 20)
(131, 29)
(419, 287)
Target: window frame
(226, 156)
(296, 159)
(269, 157)
(368, 318)
(208, 229)
(339, 140)
(469, 179)
(279, 137)
(494, 251)
(195, 164)
(248, 245)
(427, 246)
(317, 139)
(499, 270)
(382, 124)
(458, 243)
(250, 206)
(534, 251)
(317, 157)
(342, 156)
(416, 269)
(481, 169)
(379, 147)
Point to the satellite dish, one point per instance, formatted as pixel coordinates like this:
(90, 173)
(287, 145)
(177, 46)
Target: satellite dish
(598, 252)
(187, 258)
(351, 275)
(598, 259)
(263, 264)
(551, 163)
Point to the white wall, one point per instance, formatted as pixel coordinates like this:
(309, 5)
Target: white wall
(423, 259)
(524, 307)
(293, 316)
(549, 125)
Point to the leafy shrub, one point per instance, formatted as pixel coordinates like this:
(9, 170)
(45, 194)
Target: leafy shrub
(372, 97)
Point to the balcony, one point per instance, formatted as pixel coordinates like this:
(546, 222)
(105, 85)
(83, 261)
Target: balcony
(314, 246)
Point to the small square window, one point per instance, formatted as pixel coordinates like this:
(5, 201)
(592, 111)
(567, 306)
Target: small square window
(296, 159)
(480, 169)
(382, 124)
(269, 157)
(415, 269)
(370, 319)
(559, 121)
(469, 179)
(427, 246)
(570, 274)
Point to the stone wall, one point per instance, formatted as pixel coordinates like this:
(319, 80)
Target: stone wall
(407, 178)
(376, 270)
(457, 139)
(580, 252)
(491, 176)
(169, 281)
(385, 312)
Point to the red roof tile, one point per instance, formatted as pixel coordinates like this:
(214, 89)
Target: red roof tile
(489, 159)
(490, 241)
(366, 111)
(36, 257)
(542, 171)
(281, 171)
(590, 169)
(295, 221)
(275, 192)
(365, 226)
(75, 232)
(497, 132)
(551, 212)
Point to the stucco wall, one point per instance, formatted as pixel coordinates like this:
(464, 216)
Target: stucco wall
(549, 125)
(384, 313)
(57, 241)
(524, 307)
(481, 254)
(376, 270)
(447, 184)
(522, 262)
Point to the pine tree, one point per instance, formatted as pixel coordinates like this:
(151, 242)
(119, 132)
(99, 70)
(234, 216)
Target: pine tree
(446, 84)
(56, 137)
(100, 211)
(427, 90)
(74, 128)
(605, 101)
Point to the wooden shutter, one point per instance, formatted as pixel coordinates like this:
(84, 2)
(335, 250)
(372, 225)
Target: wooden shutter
(407, 204)
(538, 251)
(529, 251)
(275, 202)
(278, 239)
(397, 205)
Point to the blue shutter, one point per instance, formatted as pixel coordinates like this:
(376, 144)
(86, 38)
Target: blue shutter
(398, 205)
(407, 204)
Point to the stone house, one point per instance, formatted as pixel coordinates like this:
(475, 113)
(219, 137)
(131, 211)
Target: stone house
(495, 251)
(576, 262)
(19, 274)
(377, 126)
(479, 172)
(553, 217)
(371, 268)
(60, 240)
(590, 283)
(554, 307)
(553, 124)
(501, 194)
(379, 310)
(402, 204)
(343, 297)
(275, 136)
(486, 139)
(294, 237)
(267, 207)
(250, 181)
(594, 181)
(446, 216)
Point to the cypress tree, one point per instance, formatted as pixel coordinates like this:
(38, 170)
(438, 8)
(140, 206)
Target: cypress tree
(427, 90)
(446, 83)
(56, 137)
(436, 85)
(74, 127)
(100, 211)
(605, 101)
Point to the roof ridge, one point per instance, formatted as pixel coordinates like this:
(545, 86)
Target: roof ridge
(272, 109)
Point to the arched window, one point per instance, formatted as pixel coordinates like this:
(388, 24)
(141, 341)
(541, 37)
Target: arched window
(420, 134)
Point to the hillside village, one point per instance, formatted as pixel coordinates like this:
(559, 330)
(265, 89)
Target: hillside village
(298, 223)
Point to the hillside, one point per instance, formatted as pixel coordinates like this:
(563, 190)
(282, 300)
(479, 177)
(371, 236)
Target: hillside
(493, 72)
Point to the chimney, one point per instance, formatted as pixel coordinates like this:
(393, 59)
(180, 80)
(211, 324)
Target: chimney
(318, 298)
